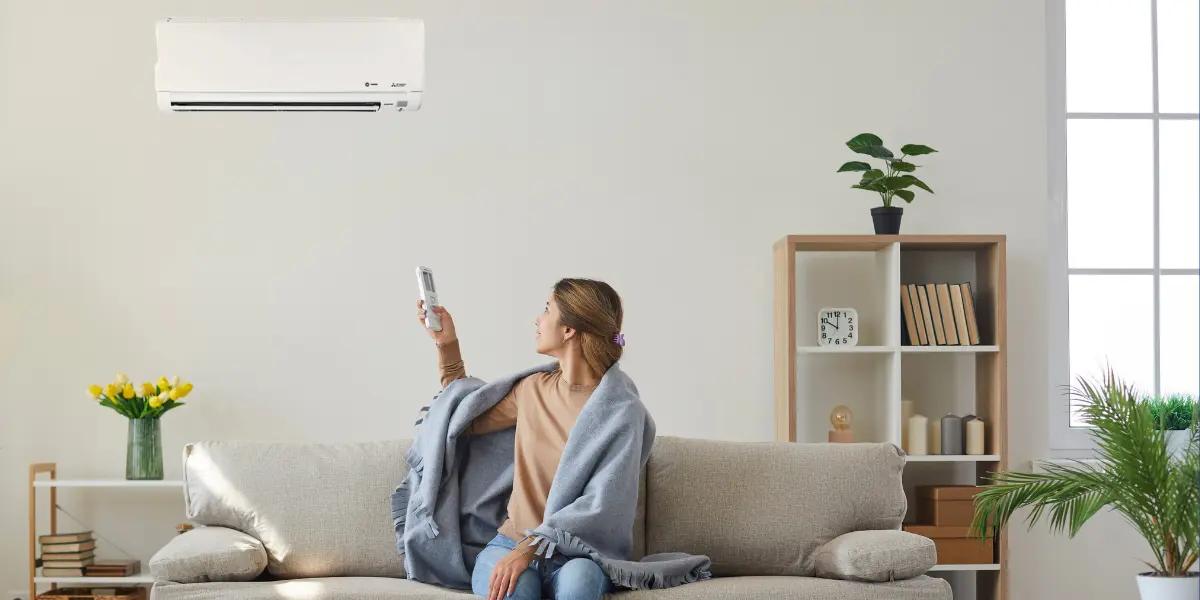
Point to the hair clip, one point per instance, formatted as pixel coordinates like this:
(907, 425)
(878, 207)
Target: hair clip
(619, 339)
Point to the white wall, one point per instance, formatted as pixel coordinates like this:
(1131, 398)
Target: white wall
(662, 146)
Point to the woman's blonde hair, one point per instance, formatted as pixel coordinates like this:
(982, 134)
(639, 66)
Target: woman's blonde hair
(593, 309)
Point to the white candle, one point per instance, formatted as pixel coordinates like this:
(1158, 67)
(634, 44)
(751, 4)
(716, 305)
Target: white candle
(935, 436)
(906, 411)
(975, 436)
(916, 435)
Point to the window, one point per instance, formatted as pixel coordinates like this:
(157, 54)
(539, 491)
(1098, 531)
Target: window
(1127, 75)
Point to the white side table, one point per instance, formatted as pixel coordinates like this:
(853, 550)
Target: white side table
(53, 482)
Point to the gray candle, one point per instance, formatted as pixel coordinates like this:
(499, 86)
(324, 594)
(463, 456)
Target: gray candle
(952, 434)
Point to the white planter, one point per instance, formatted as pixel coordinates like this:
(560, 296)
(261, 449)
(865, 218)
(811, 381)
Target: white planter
(1152, 587)
(1176, 442)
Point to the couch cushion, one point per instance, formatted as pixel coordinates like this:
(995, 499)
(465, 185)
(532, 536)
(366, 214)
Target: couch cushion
(209, 554)
(761, 508)
(796, 588)
(324, 588)
(319, 509)
(880, 555)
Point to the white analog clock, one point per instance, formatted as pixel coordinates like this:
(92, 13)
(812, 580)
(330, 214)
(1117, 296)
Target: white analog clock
(837, 327)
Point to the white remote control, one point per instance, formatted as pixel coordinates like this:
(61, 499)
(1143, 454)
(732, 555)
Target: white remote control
(429, 295)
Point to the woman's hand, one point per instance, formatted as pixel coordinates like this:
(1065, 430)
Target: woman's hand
(447, 334)
(507, 571)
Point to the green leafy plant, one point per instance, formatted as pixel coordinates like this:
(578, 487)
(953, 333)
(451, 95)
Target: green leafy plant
(1133, 475)
(895, 177)
(1174, 412)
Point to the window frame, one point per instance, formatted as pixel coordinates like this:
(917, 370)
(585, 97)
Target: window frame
(1062, 435)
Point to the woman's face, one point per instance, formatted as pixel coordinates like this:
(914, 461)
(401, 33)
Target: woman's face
(551, 336)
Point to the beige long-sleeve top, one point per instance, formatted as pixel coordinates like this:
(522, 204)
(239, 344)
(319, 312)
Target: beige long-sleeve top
(543, 406)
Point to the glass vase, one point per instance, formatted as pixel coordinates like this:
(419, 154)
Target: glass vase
(143, 452)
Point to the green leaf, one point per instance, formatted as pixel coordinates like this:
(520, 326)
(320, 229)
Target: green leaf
(912, 180)
(906, 167)
(895, 182)
(854, 165)
(869, 144)
(864, 140)
(916, 149)
(871, 175)
(906, 194)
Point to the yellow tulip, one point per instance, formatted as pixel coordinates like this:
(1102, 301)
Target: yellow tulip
(95, 390)
(163, 397)
(121, 379)
(174, 393)
(185, 389)
(127, 392)
(110, 390)
(156, 401)
(163, 383)
(147, 389)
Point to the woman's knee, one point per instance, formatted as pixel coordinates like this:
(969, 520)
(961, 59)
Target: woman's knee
(580, 579)
(529, 584)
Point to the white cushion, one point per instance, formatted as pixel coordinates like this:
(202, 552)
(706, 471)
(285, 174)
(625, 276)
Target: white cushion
(320, 510)
(209, 554)
(879, 555)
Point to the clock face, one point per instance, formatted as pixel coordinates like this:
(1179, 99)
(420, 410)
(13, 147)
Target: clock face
(837, 327)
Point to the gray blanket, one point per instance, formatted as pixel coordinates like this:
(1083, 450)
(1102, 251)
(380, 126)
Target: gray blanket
(456, 492)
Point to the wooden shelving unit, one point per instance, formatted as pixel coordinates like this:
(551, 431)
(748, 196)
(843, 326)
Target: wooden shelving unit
(53, 483)
(864, 272)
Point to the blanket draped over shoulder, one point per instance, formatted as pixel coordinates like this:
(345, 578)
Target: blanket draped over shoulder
(456, 492)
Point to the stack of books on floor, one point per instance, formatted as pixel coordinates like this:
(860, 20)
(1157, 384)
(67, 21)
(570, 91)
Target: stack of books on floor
(938, 314)
(67, 554)
(74, 555)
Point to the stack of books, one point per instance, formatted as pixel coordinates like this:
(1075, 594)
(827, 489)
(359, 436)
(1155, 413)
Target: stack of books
(111, 568)
(67, 554)
(938, 314)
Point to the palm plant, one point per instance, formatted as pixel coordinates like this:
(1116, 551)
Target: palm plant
(1134, 475)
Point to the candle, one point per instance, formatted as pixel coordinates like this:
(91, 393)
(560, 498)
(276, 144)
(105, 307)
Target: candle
(935, 437)
(906, 412)
(916, 434)
(975, 436)
(952, 434)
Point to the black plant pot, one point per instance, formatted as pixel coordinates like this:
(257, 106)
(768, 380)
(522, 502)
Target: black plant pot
(887, 219)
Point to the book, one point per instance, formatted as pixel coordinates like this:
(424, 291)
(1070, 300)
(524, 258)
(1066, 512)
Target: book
(67, 555)
(943, 298)
(920, 317)
(62, 572)
(71, 547)
(936, 311)
(960, 317)
(910, 321)
(65, 538)
(969, 310)
(112, 568)
(66, 564)
(926, 314)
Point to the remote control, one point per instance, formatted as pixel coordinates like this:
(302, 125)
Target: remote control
(429, 295)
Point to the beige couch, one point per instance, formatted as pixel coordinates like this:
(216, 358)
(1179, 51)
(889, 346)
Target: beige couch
(312, 521)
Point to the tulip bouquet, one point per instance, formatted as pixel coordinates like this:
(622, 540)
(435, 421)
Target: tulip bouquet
(149, 401)
(143, 406)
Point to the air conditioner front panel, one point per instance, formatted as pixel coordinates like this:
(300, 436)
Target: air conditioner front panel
(253, 56)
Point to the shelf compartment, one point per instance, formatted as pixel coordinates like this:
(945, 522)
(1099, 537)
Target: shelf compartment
(845, 349)
(949, 349)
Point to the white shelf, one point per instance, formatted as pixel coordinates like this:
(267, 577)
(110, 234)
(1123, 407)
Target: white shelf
(845, 349)
(952, 458)
(122, 483)
(141, 578)
(956, 349)
(979, 567)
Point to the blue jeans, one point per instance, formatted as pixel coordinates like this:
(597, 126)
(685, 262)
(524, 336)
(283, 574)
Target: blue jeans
(563, 577)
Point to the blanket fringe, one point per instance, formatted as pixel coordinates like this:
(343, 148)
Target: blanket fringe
(650, 580)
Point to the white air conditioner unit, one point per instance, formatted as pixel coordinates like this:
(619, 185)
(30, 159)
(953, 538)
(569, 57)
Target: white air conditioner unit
(363, 65)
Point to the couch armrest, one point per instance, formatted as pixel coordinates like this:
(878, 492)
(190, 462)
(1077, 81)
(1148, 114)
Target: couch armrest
(875, 555)
(209, 554)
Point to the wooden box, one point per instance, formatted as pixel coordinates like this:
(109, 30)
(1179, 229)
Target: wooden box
(94, 593)
(956, 545)
(943, 505)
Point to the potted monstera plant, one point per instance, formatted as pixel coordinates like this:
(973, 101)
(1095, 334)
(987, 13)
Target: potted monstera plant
(1135, 474)
(892, 180)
